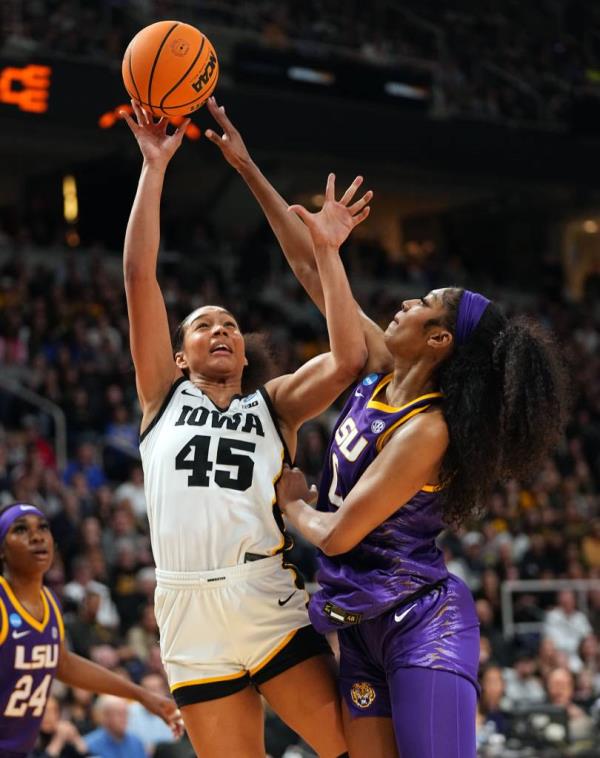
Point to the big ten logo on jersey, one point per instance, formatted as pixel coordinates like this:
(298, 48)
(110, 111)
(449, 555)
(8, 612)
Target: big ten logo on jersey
(40, 657)
(251, 401)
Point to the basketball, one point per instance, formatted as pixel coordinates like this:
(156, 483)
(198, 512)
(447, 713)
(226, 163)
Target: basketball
(170, 68)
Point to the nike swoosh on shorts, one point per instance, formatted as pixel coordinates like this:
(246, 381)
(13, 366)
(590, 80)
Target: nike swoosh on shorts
(283, 602)
(399, 616)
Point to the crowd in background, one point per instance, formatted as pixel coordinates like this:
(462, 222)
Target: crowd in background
(64, 336)
(508, 61)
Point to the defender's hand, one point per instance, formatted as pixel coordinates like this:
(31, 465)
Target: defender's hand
(292, 485)
(230, 143)
(331, 226)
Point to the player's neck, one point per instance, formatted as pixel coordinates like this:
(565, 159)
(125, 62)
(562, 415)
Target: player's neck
(25, 588)
(220, 391)
(408, 382)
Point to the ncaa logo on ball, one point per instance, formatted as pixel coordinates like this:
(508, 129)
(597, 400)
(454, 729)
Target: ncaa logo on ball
(206, 74)
(362, 694)
(179, 47)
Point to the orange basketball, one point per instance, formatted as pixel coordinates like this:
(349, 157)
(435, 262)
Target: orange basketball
(170, 68)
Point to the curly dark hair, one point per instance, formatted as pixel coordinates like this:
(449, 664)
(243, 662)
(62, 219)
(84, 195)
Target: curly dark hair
(262, 360)
(505, 403)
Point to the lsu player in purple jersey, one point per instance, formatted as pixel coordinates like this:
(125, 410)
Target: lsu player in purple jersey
(32, 649)
(455, 397)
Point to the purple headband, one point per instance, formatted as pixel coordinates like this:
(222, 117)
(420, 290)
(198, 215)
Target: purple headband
(470, 310)
(12, 513)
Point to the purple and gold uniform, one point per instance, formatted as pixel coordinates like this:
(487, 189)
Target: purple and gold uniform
(29, 652)
(391, 597)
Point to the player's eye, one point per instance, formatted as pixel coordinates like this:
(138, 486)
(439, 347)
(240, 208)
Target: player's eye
(232, 324)
(45, 526)
(202, 325)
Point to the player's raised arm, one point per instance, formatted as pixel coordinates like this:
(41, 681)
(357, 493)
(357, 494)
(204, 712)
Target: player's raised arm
(292, 234)
(148, 324)
(312, 388)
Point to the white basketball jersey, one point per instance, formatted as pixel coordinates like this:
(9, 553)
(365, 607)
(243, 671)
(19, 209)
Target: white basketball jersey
(210, 478)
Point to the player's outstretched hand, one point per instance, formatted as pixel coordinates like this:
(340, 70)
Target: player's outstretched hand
(292, 485)
(166, 709)
(156, 145)
(331, 226)
(230, 143)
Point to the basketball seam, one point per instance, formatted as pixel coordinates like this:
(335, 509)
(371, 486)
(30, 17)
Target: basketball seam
(156, 57)
(172, 107)
(131, 75)
(191, 66)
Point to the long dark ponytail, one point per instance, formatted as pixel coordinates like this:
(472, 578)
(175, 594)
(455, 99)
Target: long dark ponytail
(505, 404)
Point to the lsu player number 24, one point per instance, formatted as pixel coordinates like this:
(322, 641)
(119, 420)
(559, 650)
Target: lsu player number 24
(32, 649)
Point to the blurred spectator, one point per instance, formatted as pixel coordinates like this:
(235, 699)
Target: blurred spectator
(561, 689)
(58, 737)
(523, 686)
(590, 545)
(132, 491)
(567, 627)
(112, 739)
(83, 582)
(488, 629)
(86, 463)
(150, 729)
(142, 637)
(84, 630)
(492, 707)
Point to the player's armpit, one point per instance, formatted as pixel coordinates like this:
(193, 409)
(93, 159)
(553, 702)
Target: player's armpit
(310, 390)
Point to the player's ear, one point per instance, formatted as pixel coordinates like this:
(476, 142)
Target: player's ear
(440, 338)
(180, 360)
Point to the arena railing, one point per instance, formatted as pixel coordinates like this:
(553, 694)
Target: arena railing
(509, 589)
(12, 387)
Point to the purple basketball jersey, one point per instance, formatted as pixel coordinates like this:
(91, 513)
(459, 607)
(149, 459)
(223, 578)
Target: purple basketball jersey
(29, 651)
(400, 556)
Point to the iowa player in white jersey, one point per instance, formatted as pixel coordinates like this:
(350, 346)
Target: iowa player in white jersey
(232, 617)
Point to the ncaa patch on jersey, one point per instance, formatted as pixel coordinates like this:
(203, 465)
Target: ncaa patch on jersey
(362, 694)
(15, 620)
(377, 426)
(371, 379)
